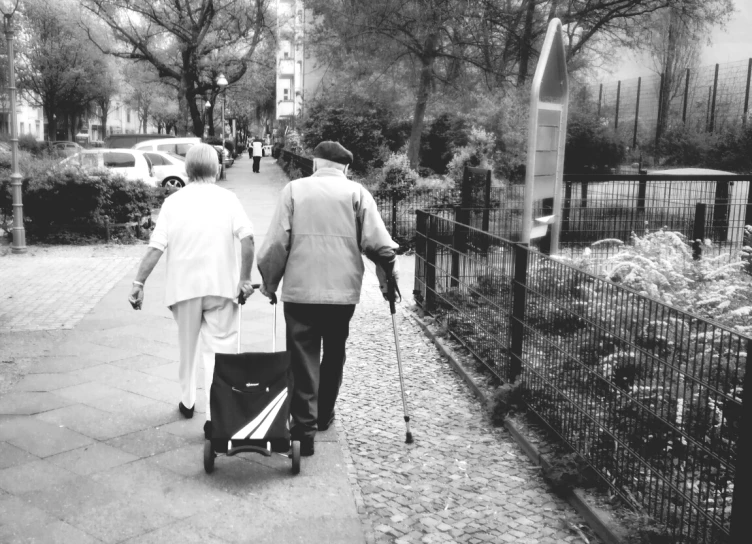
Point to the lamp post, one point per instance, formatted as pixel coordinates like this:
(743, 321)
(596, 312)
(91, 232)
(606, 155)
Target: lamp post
(222, 84)
(8, 7)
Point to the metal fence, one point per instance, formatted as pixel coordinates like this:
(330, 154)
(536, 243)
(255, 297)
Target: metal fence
(649, 396)
(597, 207)
(706, 99)
(594, 207)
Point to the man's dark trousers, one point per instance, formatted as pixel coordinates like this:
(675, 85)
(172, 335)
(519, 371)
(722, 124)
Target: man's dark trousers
(315, 384)
(256, 163)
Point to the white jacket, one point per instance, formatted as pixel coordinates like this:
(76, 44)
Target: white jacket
(320, 228)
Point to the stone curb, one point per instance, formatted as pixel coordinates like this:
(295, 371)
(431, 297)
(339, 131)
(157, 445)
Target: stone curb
(595, 518)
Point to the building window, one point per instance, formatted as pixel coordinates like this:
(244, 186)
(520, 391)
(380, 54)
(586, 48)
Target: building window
(287, 55)
(128, 115)
(286, 94)
(22, 128)
(38, 126)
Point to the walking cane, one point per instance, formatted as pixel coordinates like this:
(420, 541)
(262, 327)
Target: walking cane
(392, 290)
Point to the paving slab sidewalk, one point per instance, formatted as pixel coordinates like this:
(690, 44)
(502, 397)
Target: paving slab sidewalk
(93, 449)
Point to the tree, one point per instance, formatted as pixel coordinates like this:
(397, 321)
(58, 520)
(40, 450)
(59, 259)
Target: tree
(186, 42)
(104, 95)
(56, 70)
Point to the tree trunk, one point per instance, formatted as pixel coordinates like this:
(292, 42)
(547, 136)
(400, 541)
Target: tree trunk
(526, 43)
(424, 89)
(668, 75)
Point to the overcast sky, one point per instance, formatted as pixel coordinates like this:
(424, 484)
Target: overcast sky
(730, 44)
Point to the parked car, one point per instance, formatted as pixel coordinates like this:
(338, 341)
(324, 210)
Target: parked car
(66, 148)
(178, 146)
(229, 161)
(129, 140)
(132, 164)
(168, 168)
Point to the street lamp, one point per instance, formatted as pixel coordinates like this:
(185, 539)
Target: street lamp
(222, 84)
(8, 8)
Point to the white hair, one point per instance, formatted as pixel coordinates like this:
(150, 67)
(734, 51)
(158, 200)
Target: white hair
(202, 164)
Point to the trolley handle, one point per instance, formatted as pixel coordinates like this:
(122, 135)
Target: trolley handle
(242, 298)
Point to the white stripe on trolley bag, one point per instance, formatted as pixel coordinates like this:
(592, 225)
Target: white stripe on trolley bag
(275, 405)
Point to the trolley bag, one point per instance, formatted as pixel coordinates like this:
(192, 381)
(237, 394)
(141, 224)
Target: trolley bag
(250, 404)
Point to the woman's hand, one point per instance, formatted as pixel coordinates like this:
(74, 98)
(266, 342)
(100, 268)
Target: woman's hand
(246, 288)
(136, 297)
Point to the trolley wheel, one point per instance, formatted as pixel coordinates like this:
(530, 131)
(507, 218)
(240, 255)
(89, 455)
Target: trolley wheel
(209, 456)
(296, 456)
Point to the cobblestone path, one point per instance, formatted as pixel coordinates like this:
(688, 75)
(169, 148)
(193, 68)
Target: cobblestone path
(49, 289)
(462, 480)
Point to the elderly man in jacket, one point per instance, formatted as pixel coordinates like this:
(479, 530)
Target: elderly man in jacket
(320, 229)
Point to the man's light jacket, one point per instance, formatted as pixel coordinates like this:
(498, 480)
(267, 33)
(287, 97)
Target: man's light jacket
(320, 228)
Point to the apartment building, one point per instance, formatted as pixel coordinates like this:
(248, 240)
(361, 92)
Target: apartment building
(299, 78)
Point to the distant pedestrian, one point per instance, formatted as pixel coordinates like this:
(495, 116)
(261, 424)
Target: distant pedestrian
(258, 151)
(321, 226)
(197, 228)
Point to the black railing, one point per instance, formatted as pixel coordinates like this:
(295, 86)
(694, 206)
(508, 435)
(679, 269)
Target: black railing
(650, 396)
(594, 207)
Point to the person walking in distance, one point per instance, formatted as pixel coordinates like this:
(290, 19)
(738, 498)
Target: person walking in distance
(197, 229)
(320, 228)
(258, 147)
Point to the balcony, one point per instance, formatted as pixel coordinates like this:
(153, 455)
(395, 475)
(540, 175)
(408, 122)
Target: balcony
(286, 68)
(285, 108)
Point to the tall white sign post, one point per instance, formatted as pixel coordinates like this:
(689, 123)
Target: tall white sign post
(547, 135)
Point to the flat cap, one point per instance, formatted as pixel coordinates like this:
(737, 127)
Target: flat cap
(333, 151)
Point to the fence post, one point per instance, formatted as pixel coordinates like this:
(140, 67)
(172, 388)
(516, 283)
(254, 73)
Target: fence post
(721, 210)
(519, 293)
(600, 97)
(547, 207)
(748, 213)
(394, 213)
(618, 100)
(698, 230)
(660, 114)
(642, 191)
(741, 521)
(686, 97)
(107, 234)
(746, 93)
(486, 204)
(636, 113)
(566, 210)
(707, 111)
(421, 218)
(583, 197)
(431, 263)
(459, 242)
(715, 94)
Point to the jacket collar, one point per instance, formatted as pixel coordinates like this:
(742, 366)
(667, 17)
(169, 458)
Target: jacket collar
(329, 172)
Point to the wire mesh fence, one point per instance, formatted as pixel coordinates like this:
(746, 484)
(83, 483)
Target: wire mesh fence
(706, 99)
(650, 396)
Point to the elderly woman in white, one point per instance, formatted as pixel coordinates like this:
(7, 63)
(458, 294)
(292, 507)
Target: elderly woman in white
(197, 228)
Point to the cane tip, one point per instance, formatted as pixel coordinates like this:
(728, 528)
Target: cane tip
(409, 438)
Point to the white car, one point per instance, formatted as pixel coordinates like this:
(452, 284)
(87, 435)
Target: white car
(178, 146)
(169, 168)
(130, 163)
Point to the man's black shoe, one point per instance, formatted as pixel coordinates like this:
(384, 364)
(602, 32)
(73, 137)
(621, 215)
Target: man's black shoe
(306, 446)
(324, 424)
(187, 412)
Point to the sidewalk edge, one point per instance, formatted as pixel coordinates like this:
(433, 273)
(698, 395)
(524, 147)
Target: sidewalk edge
(597, 521)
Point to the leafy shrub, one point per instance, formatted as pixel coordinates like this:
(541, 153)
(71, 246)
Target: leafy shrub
(446, 133)
(478, 153)
(359, 125)
(70, 196)
(681, 145)
(433, 183)
(398, 176)
(731, 150)
(27, 142)
(591, 147)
